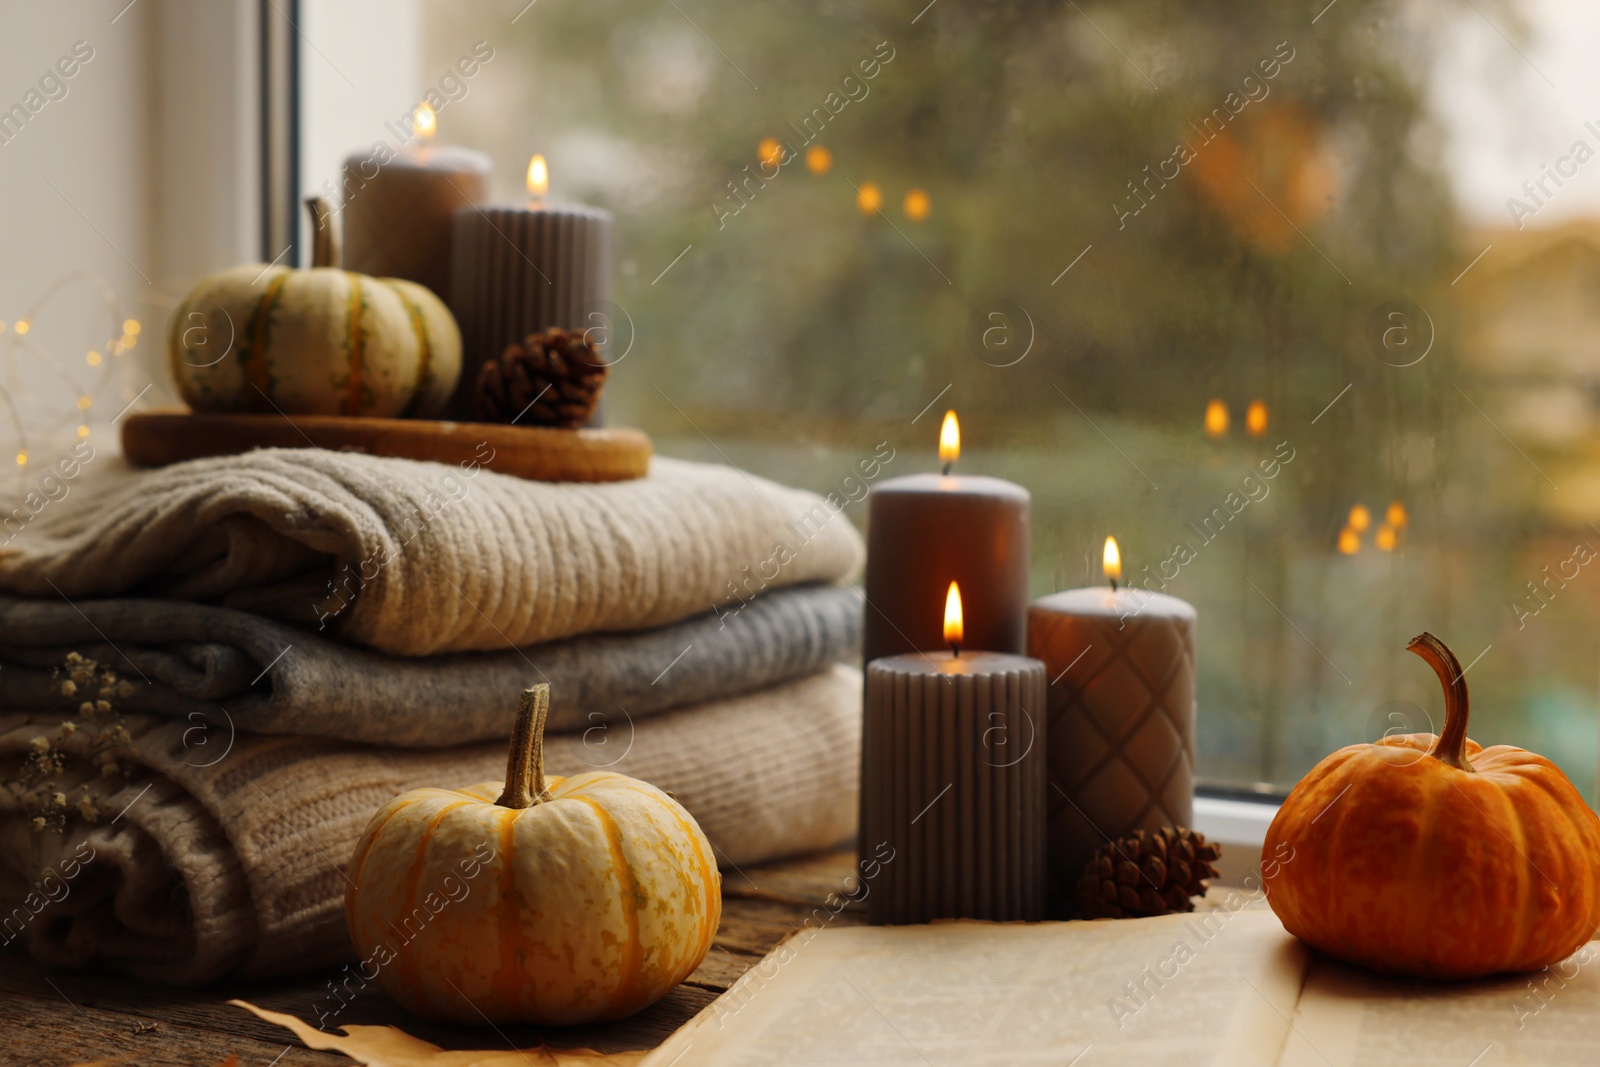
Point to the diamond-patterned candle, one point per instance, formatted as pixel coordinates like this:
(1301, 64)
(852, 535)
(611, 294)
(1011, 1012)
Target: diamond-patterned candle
(1121, 664)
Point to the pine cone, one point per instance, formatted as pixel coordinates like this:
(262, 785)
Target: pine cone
(552, 378)
(1147, 874)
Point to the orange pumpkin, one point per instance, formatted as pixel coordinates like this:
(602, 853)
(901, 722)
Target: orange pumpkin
(566, 900)
(1433, 856)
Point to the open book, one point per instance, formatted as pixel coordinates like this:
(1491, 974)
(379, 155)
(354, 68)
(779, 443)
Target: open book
(1220, 987)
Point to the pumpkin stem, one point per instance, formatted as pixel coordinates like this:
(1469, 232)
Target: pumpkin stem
(525, 768)
(324, 235)
(1450, 748)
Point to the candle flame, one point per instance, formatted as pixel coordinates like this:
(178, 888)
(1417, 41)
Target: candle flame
(538, 177)
(949, 440)
(952, 616)
(423, 122)
(1111, 560)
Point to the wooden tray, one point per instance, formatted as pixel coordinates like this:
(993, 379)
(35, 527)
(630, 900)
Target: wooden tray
(154, 439)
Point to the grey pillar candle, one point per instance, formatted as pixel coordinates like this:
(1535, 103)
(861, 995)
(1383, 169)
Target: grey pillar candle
(398, 215)
(522, 268)
(1121, 719)
(953, 780)
(925, 531)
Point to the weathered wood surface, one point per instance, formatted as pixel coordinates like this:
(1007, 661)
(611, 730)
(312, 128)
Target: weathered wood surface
(54, 1019)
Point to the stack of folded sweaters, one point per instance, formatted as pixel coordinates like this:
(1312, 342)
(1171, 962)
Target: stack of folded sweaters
(307, 634)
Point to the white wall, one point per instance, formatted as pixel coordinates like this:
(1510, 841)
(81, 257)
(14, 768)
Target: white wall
(153, 155)
(133, 183)
(207, 190)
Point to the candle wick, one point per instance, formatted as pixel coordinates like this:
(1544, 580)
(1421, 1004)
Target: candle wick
(946, 470)
(1113, 585)
(955, 650)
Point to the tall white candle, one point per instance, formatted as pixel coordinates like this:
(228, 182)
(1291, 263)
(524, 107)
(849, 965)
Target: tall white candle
(398, 210)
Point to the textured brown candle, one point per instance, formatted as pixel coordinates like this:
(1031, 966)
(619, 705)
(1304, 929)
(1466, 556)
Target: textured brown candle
(953, 779)
(1121, 719)
(925, 531)
(523, 268)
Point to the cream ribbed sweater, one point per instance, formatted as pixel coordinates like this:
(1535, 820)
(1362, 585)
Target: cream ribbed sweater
(414, 558)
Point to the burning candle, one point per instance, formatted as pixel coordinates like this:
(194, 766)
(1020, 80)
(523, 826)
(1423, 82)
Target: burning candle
(925, 531)
(953, 780)
(398, 206)
(1121, 716)
(522, 268)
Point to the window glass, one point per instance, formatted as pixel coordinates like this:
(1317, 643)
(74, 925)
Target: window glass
(1296, 301)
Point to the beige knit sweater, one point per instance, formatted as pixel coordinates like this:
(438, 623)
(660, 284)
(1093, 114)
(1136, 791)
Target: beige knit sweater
(414, 558)
(204, 864)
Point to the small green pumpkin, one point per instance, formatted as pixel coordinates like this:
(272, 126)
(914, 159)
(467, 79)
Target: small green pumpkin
(319, 341)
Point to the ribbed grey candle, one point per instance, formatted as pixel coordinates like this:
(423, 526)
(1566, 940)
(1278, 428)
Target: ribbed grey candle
(524, 268)
(953, 779)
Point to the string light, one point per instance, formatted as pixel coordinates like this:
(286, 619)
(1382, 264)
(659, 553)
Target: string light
(1396, 515)
(1255, 418)
(1385, 538)
(1216, 418)
(26, 415)
(1360, 518)
(818, 159)
(869, 198)
(916, 205)
(1349, 541)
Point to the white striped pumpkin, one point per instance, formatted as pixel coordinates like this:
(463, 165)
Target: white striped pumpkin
(564, 901)
(319, 341)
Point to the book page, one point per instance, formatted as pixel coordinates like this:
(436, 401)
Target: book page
(1350, 1016)
(1180, 990)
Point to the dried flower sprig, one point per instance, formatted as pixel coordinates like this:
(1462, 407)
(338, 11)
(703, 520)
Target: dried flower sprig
(100, 741)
